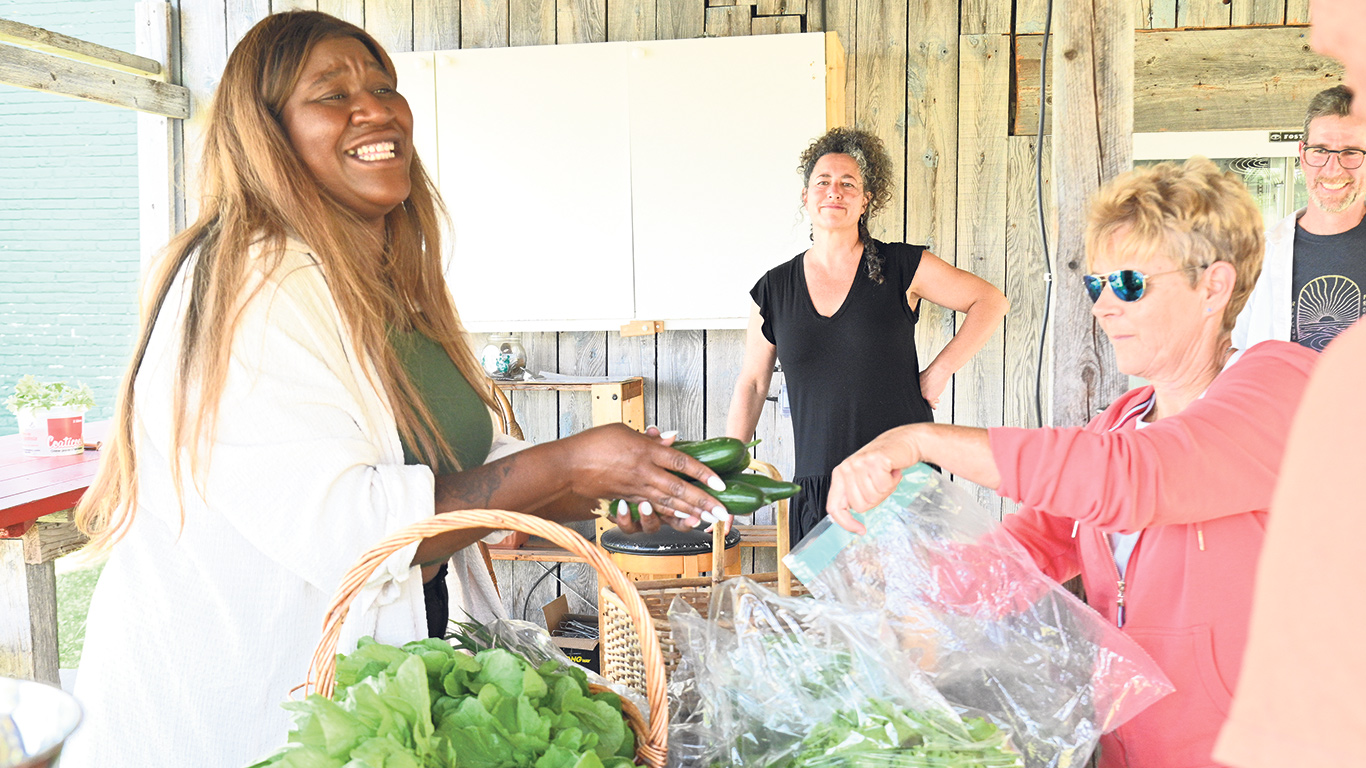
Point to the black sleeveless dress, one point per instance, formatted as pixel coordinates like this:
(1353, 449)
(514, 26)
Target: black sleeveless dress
(851, 376)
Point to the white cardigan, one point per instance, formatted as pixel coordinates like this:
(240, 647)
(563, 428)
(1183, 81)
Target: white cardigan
(196, 635)
(1267, 313)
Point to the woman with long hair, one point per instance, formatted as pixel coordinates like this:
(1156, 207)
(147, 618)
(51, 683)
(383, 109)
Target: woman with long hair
(841, 318)
(301, 389)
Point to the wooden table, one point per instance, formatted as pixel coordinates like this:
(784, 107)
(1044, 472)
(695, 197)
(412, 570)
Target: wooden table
(36, 494)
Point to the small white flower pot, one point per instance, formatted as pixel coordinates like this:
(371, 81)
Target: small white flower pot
(52, 431)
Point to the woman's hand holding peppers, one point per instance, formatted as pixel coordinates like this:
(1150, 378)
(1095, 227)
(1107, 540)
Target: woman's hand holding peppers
(616, 462)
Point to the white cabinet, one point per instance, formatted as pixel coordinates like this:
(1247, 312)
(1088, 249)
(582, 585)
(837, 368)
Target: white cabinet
(592, 185)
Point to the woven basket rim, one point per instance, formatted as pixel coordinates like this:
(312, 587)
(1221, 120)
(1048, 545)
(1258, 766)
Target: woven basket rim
(652, 737)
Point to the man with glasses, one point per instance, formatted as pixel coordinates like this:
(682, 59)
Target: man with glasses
(1301, 697)
(1313, 281)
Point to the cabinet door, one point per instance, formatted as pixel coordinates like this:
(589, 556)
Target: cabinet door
(717, 126)
(535, 171)
(417, 82)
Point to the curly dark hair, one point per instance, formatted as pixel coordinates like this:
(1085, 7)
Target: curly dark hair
(874, 165)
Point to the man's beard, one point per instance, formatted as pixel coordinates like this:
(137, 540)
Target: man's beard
(1335, 201)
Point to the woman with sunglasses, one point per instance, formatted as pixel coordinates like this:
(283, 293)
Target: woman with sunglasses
(1160, 502)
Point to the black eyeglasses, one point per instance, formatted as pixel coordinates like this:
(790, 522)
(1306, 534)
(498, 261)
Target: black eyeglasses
(1350, 159)
(1128, 284)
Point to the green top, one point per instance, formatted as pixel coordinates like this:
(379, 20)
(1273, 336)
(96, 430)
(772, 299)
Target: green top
(459, 413)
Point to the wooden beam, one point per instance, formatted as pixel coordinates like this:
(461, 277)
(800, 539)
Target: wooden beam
(1204, 79)
(203, 49)
(1030, 16)
(932, 158)
(436, 26)
(391, 23)
(242, 15)
(776, 25)
(1094, 66)
(156, 141)
(68, 77)
(1251, 12)
(839, 16)
(986, 17)
(1203, 13)
(531, 22)
(580, 21)
(780, 7)
(1025, 277)
(28, 636)
(39, 39)
(881, 104)
(1297, 12)
(49, 539)
(680, 19)
(483, 23)
(347, 10)
(836, 79)
(1156, 14)
(631, 20)
(983, 123)
(728, 21)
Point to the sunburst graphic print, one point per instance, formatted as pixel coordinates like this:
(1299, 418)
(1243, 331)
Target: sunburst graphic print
(1324, 308)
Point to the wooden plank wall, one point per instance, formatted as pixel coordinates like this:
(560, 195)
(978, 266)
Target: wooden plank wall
(939, 81)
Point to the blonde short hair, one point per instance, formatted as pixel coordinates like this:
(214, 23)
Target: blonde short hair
(1192, 212)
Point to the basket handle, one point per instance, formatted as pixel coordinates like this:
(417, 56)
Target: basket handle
(322, 669)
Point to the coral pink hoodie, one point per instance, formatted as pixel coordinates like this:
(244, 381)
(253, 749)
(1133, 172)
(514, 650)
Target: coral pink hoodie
(1197, 484)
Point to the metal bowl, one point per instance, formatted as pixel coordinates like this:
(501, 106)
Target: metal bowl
(35, 721)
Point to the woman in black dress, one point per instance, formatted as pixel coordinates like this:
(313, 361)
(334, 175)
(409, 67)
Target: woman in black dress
(841, 317)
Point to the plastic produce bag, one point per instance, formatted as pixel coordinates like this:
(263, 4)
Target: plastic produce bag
(992, 633)
(800, 683)
(533, 643)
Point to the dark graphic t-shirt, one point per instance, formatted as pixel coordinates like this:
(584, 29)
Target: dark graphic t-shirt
(1328, 285)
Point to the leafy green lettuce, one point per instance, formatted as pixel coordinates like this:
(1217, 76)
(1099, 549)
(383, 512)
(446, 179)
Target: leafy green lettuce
(428, 705)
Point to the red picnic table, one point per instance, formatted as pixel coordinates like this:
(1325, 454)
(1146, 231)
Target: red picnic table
(36, 495)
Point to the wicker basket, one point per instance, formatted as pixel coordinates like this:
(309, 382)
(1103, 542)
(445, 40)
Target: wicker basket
(652, 738)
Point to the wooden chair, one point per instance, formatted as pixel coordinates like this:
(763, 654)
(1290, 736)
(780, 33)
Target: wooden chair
(777, 535)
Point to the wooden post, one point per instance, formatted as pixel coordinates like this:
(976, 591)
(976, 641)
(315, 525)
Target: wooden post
(28, 592)
(1093, 60)
(156, 189)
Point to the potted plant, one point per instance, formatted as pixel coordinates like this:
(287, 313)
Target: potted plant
(50, 416)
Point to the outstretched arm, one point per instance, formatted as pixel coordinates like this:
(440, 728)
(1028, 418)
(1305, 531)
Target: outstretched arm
(563, 480)
(864, 479)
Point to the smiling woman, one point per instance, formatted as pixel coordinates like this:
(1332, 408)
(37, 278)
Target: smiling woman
(352, 128)
(841, 318)
(303, 388)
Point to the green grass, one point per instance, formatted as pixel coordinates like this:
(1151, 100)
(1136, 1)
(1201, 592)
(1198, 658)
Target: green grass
(74, 586)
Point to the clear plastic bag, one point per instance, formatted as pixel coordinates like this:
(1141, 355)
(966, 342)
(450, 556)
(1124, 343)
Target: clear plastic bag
(784, 682)
(932, 640)
(987, 628)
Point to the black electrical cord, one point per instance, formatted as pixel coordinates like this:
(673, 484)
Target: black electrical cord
(1043, 223)
(526, 605)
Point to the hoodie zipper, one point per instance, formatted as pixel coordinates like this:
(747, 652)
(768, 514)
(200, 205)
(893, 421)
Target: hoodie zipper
(1121, 584)
(1138, 411)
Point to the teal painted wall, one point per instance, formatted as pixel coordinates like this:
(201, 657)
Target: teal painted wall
(68, 219)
